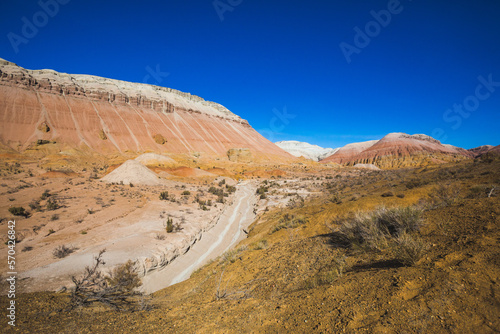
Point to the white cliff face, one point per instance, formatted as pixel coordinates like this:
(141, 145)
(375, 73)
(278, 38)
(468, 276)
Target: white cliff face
(113, 90)
(306, 150)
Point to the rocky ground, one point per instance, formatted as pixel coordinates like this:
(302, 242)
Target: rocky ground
(295, 273)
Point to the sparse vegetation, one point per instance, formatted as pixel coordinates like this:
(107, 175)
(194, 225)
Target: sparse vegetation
(52, 204)
(169, 225)
(159, 236)
(46, 194)
(261, 244)
(386, 228)
(18, 211)
(62, 251)
(444, 195)
(117, 290)
(289, 221)
(409, 248)
(164, 195)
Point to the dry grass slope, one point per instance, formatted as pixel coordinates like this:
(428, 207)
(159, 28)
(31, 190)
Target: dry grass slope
(435, 269)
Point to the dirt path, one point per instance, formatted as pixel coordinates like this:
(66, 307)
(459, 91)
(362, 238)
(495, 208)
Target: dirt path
(225, 234)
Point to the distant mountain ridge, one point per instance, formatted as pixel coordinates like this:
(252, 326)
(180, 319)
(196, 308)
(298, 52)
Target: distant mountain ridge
(398, 150)
(306, 150)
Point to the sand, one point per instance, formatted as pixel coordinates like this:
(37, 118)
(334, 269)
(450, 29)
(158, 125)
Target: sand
(133, 172)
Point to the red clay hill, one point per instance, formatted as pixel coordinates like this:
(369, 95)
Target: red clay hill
(111, 116)
(398, 150)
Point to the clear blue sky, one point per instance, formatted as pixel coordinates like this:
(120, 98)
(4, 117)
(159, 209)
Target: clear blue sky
(275, 54)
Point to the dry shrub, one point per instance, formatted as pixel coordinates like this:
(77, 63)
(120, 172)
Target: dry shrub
(63, 251)
(444, 195)
(409, 249)
(116, 290)
(289, 221)
(387, 229)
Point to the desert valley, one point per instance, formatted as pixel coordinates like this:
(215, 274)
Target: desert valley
(208, 227)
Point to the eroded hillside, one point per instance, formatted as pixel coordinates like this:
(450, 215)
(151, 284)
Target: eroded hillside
(300, 271)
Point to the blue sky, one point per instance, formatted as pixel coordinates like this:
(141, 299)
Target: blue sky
(279, 64)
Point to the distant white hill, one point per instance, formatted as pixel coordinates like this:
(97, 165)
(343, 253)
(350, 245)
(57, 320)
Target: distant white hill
(306, 150)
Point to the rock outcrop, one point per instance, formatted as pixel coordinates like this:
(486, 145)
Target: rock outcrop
(112, 116)
(398, 150)
(306, 150)
(239, 155)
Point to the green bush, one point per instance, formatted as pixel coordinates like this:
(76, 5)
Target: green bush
(62, 251)
(164, 195)
(52, 204)
(18, 211)
(46, 194)
(169, 225)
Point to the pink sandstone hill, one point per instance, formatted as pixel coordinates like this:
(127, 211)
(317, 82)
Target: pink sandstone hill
(110, 116)
(492, 152)
(477, 151)
(398, 150)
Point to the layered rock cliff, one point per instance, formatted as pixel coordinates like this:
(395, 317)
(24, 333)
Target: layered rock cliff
(110, 116)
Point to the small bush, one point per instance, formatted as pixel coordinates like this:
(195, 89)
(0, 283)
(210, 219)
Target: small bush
(62, 251)
(289, 221)
(124, 277)
(232, 255)
(328, 275)
(262, 244)
(376, 230)
(46, 194)
(27, 249)
(42, 142)
(409, 249)
(18, 211)
(159, 236)
(186, 193)
(116, 290)
(52, 204)
(169, 225)
(35, 205)
(387, 194)
(164, 195)
(444, 195)
(54, 217)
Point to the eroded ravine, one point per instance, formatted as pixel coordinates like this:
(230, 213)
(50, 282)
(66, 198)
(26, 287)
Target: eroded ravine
(224, 235)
